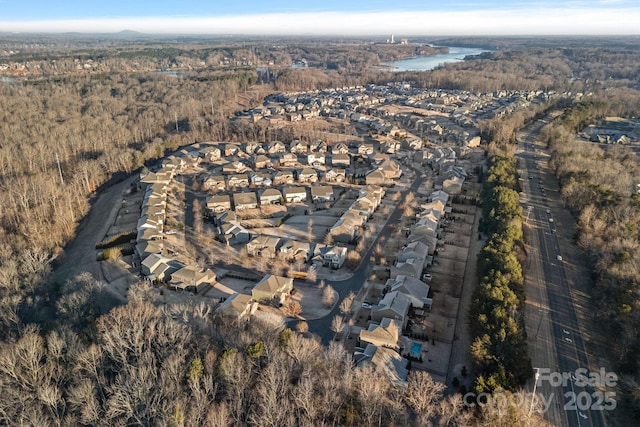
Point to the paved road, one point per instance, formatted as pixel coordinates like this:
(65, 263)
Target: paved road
(553, 328)
(322, 326)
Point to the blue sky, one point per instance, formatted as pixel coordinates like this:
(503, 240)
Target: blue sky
(373, 17)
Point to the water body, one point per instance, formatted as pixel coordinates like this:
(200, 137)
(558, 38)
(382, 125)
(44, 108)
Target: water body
(425, 63)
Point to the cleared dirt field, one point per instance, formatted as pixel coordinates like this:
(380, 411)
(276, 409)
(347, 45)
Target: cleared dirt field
(445, 284)
(456, 253)
(434, 326)
(445, 305)
(448, 267)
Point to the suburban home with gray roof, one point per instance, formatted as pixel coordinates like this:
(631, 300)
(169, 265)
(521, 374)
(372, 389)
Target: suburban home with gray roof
(385, 360)
(271, 196)
(238, 181)
(335, 175)
(322, 193)
(242, 201)
(393, 305)
(237, 306)
(307, 175)
(295, 194)
(272, 287)
(219, 203)
(264, 246)
(190, 277)
(234, 234)
(343, 160)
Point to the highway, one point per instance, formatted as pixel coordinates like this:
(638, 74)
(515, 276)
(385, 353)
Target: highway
(553, 329)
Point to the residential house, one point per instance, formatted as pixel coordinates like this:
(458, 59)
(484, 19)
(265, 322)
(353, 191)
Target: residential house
(144, 248)
(251, 147)
(414, 289)
(335, 175)
(260, 161)
(332, 256)
(441, 196)
(177, 164)
(234, 234)
(295, 194)
(322, 193)
(263, 246)
(237, 306)
(261, 179)
(416, 250)
(429, 241)
(211, 153)
(307, 175)
(365, 149)
(393, 305)
(288, 160)
(383, 334)
(298, 147)
(385, 360)
(427, 224)
(283, 177)
(163, 176)
(411, 267)
(148, 234)
(235, 167)
(243, 201)
(319, 146)
(276, 147)
(390, 169)
(213, 183)
(415, 144)
(240, 180)
(316, 159)
(341, 160)
(272, 287)
(340, 148)
(220, 203)
(378, 157)
(231, 149)
(294, 249)
(158, 267)
(376, 177)
(191, 277)
(271, 196)
(453, 185)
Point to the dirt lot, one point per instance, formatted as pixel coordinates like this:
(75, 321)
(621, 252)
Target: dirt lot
(456, 253)
(448, 267)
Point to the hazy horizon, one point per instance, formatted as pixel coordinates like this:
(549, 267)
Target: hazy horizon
(331, 17)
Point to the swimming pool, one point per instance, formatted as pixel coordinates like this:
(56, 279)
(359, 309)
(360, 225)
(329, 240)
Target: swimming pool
(416, 349)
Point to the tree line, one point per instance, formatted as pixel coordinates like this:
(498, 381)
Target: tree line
(496, 314)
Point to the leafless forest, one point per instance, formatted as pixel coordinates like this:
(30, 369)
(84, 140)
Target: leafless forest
(68, 130)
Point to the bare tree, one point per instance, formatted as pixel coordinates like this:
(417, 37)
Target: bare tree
(347, 303)
(329, 296)
(337, 324)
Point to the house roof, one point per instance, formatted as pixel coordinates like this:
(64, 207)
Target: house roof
(272, 283)
(385, 334)
(271, 192)
(235, 305)
(386, 360)
(395, 302)
(245, 198)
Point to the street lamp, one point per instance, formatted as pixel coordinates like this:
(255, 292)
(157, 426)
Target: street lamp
(533, 396)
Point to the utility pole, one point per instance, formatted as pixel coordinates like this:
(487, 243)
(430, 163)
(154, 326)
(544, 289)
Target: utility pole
(59, 169)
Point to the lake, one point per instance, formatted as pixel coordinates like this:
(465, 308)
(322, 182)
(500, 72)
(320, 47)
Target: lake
(425, 63)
